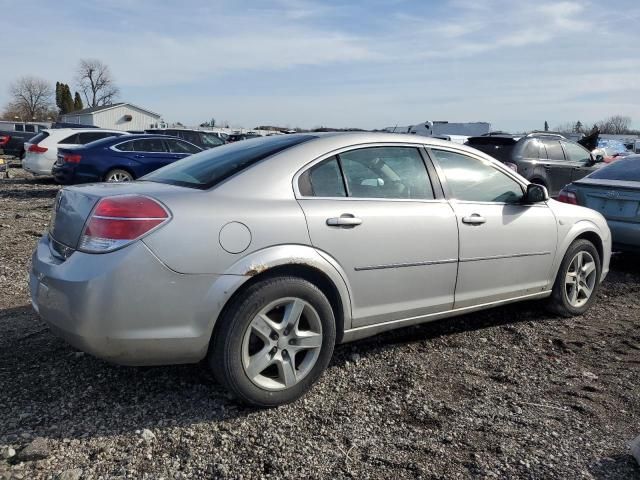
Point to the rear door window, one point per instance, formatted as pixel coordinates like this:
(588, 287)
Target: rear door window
(323, 180)
(386, 172)
(178, 146)
(149, 145)
(554, 150)
(126, 147)
(534, 149)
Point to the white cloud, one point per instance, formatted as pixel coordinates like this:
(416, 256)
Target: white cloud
(308, 62)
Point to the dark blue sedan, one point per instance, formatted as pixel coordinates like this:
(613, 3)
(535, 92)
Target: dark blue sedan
(614, 191)
(119, 159)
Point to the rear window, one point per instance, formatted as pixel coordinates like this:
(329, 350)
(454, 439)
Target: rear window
(38, 138)
(499, 148)
(627, 169)
(207, 169)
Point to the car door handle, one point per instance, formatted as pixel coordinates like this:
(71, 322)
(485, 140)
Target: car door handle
(474, 219)
(138, 156)
(344, 220)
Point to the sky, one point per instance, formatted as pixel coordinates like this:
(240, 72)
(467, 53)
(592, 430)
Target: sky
(367, 64)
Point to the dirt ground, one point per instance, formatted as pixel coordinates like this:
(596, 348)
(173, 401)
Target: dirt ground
(507, 393)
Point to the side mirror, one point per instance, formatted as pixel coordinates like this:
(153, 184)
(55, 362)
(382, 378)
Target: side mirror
(536, 194)
(599, 158)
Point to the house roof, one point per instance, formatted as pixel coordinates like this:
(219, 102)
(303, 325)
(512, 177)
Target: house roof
(92, 110)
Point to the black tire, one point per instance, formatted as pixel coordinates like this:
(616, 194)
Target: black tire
(558, 302)
(119, 171)
(225, 351)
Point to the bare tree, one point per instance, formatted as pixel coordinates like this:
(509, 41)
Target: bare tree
(96, 83)
(31, 99)
(615, 124)
(566, 127)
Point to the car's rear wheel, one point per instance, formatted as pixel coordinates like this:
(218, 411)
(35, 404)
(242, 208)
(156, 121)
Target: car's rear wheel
(274, 341)
(118, 175)
(577, 281)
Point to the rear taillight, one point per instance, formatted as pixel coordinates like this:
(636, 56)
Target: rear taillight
(567, 196)
(4, 139)
(69, 158)
(118, 221)
(37, 149)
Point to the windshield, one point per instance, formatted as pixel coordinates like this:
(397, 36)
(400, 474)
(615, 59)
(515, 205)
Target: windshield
(207, 169)
(626, 169)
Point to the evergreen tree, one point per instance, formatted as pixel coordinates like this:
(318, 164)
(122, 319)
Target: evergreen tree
(578, 128)
(546, 126)
(77, 102)
(58, 97)
(64, 100)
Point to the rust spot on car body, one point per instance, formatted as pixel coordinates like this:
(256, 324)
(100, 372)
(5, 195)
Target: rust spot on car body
(255, 270)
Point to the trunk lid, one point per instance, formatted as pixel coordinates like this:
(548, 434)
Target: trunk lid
(614, 199)
(73, 206)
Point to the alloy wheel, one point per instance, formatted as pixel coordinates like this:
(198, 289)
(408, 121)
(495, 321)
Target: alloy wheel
(119, 176)
(580, 279)
(282, 344)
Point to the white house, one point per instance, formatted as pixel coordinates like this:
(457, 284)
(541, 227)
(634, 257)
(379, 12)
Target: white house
(119, 116)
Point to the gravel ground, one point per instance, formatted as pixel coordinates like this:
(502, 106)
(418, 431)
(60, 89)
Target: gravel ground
(511, 392)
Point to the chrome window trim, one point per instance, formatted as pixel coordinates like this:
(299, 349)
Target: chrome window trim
(358, 146)
(113, 147)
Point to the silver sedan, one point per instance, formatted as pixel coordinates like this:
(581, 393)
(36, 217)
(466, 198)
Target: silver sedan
(261, 255)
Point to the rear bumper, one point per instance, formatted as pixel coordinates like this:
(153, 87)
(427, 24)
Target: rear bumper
(37, 165)
(68, 174)
(625, 235)
(125, 307)
(63, 174)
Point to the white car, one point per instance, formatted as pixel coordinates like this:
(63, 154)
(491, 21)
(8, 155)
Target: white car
(41, 151)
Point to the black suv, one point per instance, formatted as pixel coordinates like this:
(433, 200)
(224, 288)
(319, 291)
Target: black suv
(543, 158)
(204, 140)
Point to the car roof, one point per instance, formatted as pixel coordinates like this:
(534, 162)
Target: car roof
(129, 138)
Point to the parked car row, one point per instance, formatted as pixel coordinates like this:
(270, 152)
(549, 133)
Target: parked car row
(12, 142)
(119, 159)
(315, 239)
(76, 155)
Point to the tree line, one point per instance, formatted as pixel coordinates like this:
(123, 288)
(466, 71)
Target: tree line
(34, 99)
(615, 124)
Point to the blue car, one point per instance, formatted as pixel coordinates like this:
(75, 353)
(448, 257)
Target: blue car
(119, 159)
(614, 191)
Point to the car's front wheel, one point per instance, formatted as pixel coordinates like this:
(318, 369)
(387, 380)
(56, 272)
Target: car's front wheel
(274, 341)
(577, 281)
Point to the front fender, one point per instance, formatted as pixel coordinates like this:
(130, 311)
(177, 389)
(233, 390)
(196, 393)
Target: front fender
(263, 260)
